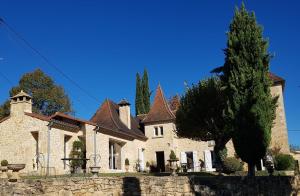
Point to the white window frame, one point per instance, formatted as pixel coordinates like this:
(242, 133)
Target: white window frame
(158, 128)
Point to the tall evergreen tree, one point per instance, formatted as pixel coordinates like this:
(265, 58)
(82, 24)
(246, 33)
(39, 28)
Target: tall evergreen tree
(47, 97)
(245, 74)
(146, 92)
(139, 102)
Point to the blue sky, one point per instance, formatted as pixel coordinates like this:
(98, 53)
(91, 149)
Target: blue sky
(102, 44)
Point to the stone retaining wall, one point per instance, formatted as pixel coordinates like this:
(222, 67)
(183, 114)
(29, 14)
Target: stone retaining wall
(149, 185)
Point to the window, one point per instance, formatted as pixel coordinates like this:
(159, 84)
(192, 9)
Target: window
(158, 131)
(155, 131)
(161, 131)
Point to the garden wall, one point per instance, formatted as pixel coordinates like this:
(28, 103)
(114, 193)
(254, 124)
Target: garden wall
(150, 185)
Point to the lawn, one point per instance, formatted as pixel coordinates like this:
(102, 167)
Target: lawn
(138, 174)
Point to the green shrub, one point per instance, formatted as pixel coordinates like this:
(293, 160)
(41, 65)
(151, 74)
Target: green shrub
(147, 164)
(223, 154)
(77, 152)
(172, 155)
(78, 145)
(126, 161)
(284, 162)
(4, 163)
(231, 165)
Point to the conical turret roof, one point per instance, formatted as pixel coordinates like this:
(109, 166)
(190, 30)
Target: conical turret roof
(160, 110)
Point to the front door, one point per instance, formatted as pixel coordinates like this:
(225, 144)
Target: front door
(160, 160)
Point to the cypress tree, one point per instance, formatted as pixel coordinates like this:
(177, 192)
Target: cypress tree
(146, 92)
(139, 105)
(246, 77)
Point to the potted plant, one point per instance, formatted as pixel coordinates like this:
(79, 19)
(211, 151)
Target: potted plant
(4, 164)
(126, 164)
(147, 167)
(173, 163)
(77, 155)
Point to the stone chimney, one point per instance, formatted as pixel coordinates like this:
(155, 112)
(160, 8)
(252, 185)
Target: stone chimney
(20, 103)
(124, 112)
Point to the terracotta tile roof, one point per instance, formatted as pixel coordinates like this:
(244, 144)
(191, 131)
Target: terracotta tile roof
(160, 110)
(4, 119)
(38, 116)
(107, 116)
(59, 117)
(277, 80)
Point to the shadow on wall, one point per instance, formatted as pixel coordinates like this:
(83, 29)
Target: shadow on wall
(237, 185)
(131, 186)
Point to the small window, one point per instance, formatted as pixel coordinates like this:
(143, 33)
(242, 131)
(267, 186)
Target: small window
(156, 131)
(161, 130)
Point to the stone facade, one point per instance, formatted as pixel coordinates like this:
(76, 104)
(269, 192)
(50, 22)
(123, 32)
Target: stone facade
(24, 135)
(279, 130)
(150, 185)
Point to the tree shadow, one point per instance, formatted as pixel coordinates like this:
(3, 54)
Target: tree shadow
(131, 186)
(238, 185)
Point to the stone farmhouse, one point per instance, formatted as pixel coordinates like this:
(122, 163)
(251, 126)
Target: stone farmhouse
(114, 134)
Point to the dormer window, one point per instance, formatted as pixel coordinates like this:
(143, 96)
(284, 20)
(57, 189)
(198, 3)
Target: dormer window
(161, 131)
(158, 131)
(155, 131)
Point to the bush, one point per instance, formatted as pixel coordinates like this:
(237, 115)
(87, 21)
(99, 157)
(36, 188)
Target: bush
(78, 153)
(4, 163)
(126, 161)
(231, 165)
(284, 162)
(172, 155)
(223, 154)
(147, 164)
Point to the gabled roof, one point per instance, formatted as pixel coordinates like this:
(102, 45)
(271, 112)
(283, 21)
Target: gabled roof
(59, 117)
(277, 80)
(107, 117)
(38, 116)
(160, 110)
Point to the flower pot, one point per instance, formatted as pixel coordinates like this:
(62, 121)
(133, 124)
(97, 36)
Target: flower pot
(4, 172)
(148, 169)
(95, 170)
(3, 168)
(15, 168)
(173, 166)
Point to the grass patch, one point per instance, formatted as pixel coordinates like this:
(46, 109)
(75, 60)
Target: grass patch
(139, 174)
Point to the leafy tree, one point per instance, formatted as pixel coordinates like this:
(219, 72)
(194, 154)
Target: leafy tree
(146, 92)
(251, 107)
(201, 115)
(139, 101)
(48, 97)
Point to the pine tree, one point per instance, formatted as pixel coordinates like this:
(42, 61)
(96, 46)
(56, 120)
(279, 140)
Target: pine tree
(146, 92)
(246, 77)
(139, 105)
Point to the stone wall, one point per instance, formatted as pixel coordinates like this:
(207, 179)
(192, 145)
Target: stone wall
(279, 137)
(150, 185)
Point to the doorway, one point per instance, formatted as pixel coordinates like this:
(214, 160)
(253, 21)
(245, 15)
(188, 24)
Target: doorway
(160, 161)
(190, 161)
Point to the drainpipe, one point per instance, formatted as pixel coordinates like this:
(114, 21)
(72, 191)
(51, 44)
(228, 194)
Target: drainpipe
(48, 148)
(95, 145)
